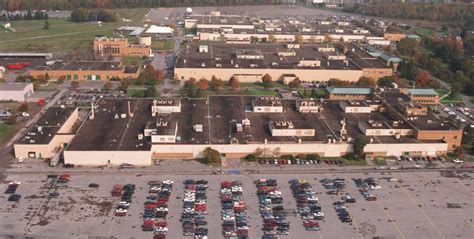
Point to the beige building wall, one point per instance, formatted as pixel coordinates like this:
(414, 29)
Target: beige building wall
(377, 73)
(43, 150)
(257, 73)
(452, 138)
(408, 148)
(100, 158)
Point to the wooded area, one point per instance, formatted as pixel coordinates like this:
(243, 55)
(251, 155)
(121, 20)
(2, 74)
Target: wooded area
(461, 13)
(13, 5)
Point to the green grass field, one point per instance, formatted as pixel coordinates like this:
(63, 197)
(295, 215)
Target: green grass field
(62, 35)
(162, 45)
(320, 93)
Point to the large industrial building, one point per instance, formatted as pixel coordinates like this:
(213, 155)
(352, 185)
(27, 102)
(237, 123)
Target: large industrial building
(244, 29)
(141, 131)
(86, 70)
(284, 62)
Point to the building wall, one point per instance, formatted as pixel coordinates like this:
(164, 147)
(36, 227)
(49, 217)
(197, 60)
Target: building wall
(303, 74)
(377, 73)
(17, 95)
(43, 150)
(67, 126)
(396, 37)
(404, 149)
(83, 75)
(119, 47)
(346, 97)
(451, 137)
(100, 158)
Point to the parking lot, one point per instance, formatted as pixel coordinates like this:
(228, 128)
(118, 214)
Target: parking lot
(419, 205)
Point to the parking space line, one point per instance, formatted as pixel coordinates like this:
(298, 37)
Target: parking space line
(423, 212)
(389, 216)
(354, 223)
(446, 200)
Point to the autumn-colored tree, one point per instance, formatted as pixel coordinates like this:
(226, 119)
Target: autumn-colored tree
(298, 38)
(234, 83)
(216, 84)
(203, 84)
(422, 78)
(366, 81)
(267, 80)
(295, 83)
(161, 74)
(271, 38)
(75, 84)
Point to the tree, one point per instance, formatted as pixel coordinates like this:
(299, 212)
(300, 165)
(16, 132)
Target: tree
(271, 38)
(46, 25)
(211, 156)
(313, 93)
(422, 78)
(295, 83)
(298, 39)
(253, 39)
(150, 92)
(23, 107)
(407, 46)
(107, 86)
(407, 69)
(75, 84)
(267, 81)
(327, 39)
(203, 84)
(365, 81)
(216, 84)
(234, 83)
(385, 81)
(359, 144)
(123, 85)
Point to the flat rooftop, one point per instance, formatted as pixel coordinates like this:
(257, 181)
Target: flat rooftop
(274, 56)
(85, 66)
(13, 86)
(47, 126)
(218, 115)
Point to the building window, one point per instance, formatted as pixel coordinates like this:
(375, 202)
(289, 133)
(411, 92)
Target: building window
(455, 137)
(453, 146)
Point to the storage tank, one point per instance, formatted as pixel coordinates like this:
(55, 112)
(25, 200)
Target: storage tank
(144, 41)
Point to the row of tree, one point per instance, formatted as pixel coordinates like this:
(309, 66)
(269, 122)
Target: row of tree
(460, 13)
(38, 15)
(14, 5)
(85, 15)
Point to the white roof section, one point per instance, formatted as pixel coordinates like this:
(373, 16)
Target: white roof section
(159, 30)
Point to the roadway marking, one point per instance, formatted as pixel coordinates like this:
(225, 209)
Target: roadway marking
(446, 199)
(389, 216)
(422, 212)
(354, 223)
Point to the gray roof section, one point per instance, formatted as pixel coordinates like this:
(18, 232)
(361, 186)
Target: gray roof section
(422, 92)
(13, 86)
(349, 90)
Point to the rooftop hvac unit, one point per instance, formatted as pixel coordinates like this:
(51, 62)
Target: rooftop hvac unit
(198, 128)
(140, 136)
(239, 127)
(40, 128)
(123, 116)
(246, 123)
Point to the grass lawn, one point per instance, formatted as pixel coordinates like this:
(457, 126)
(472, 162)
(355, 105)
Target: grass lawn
(132, 61)
(471, 98)
(6, 132)
(62, 35)
(457, 98)
(162, 45)
(245, 89)
(320, 93)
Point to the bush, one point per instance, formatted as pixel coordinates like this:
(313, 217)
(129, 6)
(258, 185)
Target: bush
(250, 158)
(211, 156)
(312, 157)
(288, 157)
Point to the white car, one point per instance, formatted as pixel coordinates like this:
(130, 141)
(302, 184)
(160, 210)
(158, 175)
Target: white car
(124, 204)
(457, 161)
